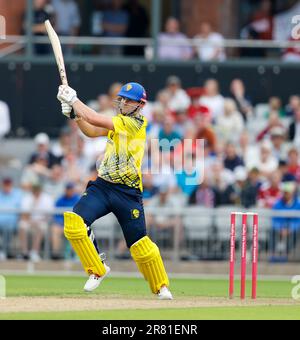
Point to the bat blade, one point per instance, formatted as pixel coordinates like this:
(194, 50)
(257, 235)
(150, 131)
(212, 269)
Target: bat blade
(56, 45)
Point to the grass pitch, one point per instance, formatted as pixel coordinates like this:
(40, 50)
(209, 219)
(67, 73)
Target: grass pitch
(34, 297)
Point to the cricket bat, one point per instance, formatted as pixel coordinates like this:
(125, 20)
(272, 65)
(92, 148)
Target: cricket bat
(56, 45)
(57, 52)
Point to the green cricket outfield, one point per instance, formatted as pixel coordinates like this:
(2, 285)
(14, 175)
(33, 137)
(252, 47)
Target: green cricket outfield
(56, 297)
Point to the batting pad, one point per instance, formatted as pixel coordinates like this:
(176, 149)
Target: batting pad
(76, 232)
(148, 259)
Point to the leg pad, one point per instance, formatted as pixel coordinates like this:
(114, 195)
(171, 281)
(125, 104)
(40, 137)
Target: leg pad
(148, 259)
(76, 232)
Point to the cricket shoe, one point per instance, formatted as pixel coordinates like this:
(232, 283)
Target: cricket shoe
(164, 294)
(94, 280)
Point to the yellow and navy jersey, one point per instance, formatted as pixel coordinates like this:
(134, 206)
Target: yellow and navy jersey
(125, 151)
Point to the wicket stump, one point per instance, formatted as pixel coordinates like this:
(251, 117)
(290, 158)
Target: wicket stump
(243, 254)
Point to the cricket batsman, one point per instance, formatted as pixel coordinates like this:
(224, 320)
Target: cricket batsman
(118, 188)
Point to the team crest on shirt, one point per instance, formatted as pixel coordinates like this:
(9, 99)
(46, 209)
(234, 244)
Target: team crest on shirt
(129, 87)
(135, 214)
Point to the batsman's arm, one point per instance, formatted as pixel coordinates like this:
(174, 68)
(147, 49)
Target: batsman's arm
(91, 130)
(92, 117)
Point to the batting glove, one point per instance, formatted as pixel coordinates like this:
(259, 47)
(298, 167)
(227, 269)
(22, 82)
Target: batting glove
(67, 95)
(66, 109)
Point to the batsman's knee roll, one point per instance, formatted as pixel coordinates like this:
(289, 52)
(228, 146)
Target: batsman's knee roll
(76, 232)
(148, 259)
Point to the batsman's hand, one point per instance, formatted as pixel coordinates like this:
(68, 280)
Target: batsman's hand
(67, 95)
(66, 109)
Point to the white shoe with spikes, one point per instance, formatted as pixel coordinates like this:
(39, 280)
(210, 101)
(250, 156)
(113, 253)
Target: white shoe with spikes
(165, 294)
(94, 281)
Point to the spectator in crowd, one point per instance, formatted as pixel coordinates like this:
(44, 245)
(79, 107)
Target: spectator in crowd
(239, 185)
(115, 25)
(161, 103)
(182, 122)
(178, 98)
(270, 191)
(232, 160)
(72, 167)
(262, 21)
(106, 105)
(291, 54)
(213, 99)
(293, 106)
(68, 200)
(168, 136)
(94, 148)
(230, 125)
(4, 119)
(188, 178)
(273, 122)
(275, 106)
(186, 149)
(286, 175)
(159, 114)
(54, 184)
(163, 172)
(98, 6)
(41, 13)
(163, 98)
(293, 163)
(195, 93)
(150, 190)
(42, 143)
(36, 207)
(203, 195)
(249, 193)
(137, 26)
(247, 150)
(242, 100)
(259, 28)
(285, 230)
(223, 192)
(294, 129)
(68, 19)
(204, 131)
(160, 223)
(212, 44)
(172, 34)
(278, 139)
(266, 162)
(64, 143)
(37, 171)
(113, 91)
(84, 160)
(10, 198)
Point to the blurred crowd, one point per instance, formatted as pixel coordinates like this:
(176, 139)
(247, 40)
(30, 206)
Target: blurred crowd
(119, 19)
(248, 156)
(262, 20)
